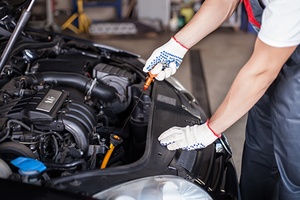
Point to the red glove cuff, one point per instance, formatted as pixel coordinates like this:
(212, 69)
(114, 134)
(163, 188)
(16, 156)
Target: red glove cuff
(180, 43)
(217, 135)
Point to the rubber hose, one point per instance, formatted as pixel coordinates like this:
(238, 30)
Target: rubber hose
(33, 45)
(82, 83)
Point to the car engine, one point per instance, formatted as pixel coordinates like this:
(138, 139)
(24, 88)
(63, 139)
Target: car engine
(66, 107)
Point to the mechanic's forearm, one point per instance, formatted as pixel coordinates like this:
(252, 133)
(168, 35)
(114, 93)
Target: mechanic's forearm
(244, 93)
(250, 84)
(209, 17)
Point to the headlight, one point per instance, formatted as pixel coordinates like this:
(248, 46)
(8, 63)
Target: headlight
(165, 187)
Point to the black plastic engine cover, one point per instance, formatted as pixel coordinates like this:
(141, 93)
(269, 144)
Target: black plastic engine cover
(42, 106)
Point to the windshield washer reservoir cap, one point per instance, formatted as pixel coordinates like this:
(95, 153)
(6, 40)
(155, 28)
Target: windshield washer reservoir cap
(28, 166)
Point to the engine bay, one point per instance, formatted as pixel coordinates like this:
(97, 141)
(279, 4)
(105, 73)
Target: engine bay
(71, 108)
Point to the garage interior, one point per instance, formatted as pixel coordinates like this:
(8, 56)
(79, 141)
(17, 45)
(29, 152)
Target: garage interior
(141, 26)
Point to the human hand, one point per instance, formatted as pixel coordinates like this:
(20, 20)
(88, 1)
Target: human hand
(188, 138)
(166, 59)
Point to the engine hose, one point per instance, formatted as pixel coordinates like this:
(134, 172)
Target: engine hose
(107, 156)
(82, 83)
(9, 127)
(33, 45)
(63, 166)
(55, 146)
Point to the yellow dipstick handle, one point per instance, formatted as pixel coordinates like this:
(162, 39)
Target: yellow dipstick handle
(114, 141)
(149, 80)
(107, 156)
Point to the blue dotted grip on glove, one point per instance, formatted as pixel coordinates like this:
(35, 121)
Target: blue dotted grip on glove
(194, 146)
(165, 58)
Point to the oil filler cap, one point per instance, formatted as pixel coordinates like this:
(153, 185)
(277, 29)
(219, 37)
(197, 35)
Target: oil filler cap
(28, 166)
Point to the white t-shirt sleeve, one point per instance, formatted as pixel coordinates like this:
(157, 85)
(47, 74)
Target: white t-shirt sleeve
(280, 25)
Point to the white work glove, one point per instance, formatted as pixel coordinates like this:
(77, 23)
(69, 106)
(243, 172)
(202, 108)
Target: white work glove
(188, 138)
(166, 58)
